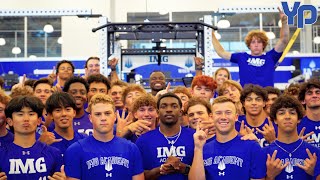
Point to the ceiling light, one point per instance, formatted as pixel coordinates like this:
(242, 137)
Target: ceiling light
(271, 35)
(316, 40)
(32, 56)
(16, 50)
(48, 28)
(163, 12)
(2, 41)
(295, 52)
(223, 23)
(60, 40)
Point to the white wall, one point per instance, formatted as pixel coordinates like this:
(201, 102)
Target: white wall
(77, 35)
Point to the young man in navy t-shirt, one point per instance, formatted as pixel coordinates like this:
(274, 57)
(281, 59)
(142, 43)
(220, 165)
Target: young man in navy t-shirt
(61, 107)
(257, 67)
(103, 155)
(309, 95)
(27, 158)
(167, 151)
(227, 157)
(290, 157)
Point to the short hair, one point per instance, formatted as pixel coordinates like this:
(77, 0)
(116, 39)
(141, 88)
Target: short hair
(100, 98)
(259, 35)
(4, 98)
(272, 90)
(99, 78)
(62, 62)
(130, 88)
(169, 94)
(16, 104)
(222, 69)
(144, 100)
(60, 100)
(155, 71)
(306, 86)
(292, 90)
(87, 61)
(21, 91)
(183, 90)
(30, 82)
(75, 79)
(228, 83)
(195, 101)
(203, 80)
(223, 99)
(286, 101)
(256, 89)
(42, 81)
(119, 83)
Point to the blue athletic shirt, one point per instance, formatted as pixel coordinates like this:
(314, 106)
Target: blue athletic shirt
(7, 139)
(64, 144)
(235, 159)
(91, 159)
(311, 126)
(292, 171)
(155, 150)
(36, 162)
(83, 124)
(256, 69)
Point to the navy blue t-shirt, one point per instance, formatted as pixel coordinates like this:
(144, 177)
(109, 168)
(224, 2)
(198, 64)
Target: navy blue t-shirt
(235, 159)
(36, 162)
(311, 126)
(256, 69)
(292, 171)
(7, 139)
(64, 144)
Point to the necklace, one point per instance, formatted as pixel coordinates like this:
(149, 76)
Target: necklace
(175, 136)
(290, 153)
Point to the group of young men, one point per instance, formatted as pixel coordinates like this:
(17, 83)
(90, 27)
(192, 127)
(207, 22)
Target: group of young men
(89, 128)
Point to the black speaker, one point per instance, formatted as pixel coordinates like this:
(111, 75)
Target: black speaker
(297, 64)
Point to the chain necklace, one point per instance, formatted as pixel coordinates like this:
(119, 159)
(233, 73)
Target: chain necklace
(175, 136)
(290, 153)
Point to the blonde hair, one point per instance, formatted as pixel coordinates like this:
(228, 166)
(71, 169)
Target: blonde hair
(100, 98)
(222, 69)
(228, 83)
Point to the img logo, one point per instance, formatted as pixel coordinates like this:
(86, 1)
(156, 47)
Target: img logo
(299, 10)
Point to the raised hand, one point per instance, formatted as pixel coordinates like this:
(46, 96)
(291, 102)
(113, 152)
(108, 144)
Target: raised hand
(112, 63)
(274, 166)
(3, 176)
(58, 175)
(309, 163)
(305, 137)
(47, 137)
(200, 137)
(53, 75)
(166, 90)
(268, 131)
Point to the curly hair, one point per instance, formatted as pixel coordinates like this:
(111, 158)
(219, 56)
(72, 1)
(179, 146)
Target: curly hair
(261, 35)
(286, 101)
(130, 88)
(312, 83)
(292, 90)
(250, 88)
(272, 90)
(21, 91)
(4, 98)
(62, 62)
(203, 80)
(75, 79)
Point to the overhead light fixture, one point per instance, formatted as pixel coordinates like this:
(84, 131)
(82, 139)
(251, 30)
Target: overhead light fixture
(146, 20)
(16, 50)
(271, 35)
(2, 42)
(48, 28)
(295, 52)
(218, 36)
(223, 23)
(60, 40)
(316, 40)
(32, 56)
